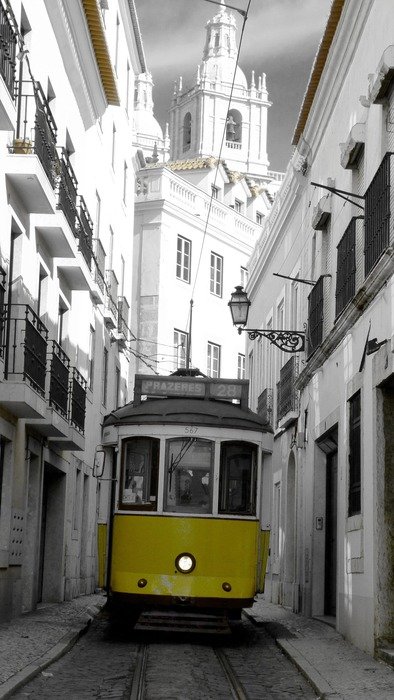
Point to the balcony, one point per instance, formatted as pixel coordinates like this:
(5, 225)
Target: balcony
(2, 311)
(76, 407)
(111, 298)
(287, 395)
(8, 45)
(99, 264)
(55, 422)
(265, 406)
(34, 171)
(346, 268)
(378, 230)
(25, 341)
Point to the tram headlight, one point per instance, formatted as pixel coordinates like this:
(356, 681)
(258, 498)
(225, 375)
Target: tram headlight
(185, 563)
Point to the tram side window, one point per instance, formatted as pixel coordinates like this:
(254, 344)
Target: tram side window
(139, 473)
(189, 465)
(238, 472)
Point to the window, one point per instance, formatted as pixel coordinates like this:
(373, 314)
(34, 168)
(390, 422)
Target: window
(213, 361)
(92, 343)
(113, 146)
(244, 277)
(259, 218)
(216, 285)
(61, 322)
(140, 463)
(315, 317)
(237, 485)
(117, 386)
(189, 466)
(377, 214)
(42, 292)
(111, 249)
(238, 205)
(355, 454)
(98, 215)
(241, 366)
(125, 182)
(183, 259)
(215, 192)
(127, 87)
(180, 348)
(276, 522)
(187, 131)
(105, 376)
(346, 268)
(116, 45)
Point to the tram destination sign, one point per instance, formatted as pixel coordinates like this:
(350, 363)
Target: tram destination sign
(191, 387)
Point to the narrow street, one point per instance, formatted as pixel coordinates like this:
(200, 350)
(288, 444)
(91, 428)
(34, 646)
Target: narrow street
(105, 663)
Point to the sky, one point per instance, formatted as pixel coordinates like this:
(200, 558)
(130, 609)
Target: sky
(281, 39)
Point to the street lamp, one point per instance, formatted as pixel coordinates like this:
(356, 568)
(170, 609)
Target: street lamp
(288, 341)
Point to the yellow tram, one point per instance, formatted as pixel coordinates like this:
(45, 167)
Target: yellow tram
(186, 465)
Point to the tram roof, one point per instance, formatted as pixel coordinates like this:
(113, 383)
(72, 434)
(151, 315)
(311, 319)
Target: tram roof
(221, 414)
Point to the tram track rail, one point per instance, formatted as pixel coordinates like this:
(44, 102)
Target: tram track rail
(139, 690)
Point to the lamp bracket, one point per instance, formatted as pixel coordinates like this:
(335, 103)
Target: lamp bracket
(341, 193)
(288, 341)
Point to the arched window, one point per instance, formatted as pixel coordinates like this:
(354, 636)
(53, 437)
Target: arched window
(187, 131)
(234, 126)
(217, 40)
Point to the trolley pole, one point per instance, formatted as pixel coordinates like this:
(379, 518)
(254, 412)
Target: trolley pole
(189, 337)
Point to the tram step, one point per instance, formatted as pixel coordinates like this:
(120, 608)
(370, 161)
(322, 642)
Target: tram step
(182, 622)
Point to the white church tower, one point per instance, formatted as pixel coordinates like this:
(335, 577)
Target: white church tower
(148, 134)
(198, 115)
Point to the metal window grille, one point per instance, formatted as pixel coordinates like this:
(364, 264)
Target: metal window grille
(99, 264)
(8, 44)
(123, 316)
(315, 316)
(355, 454)
(346, 268)
(265, 406)
(377, 214)
(59, 379)
(216, 281)
(2, 310)
(77, 405)
(85, 231)
(287, 394)
(27, 346)
(68, 192)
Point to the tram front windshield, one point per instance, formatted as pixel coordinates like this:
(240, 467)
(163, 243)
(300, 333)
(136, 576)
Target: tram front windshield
(189, 475)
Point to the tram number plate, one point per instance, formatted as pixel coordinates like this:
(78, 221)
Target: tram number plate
(225, 391)
(191, 430)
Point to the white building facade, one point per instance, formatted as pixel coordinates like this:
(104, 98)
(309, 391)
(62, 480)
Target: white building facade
(330, 236)
(67, 209)
(199, 214)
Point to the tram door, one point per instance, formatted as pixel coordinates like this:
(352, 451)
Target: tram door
(330, 587)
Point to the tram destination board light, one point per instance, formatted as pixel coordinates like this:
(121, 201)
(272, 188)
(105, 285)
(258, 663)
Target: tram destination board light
(288, 341)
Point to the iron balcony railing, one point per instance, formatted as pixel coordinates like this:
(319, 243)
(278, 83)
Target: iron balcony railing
(26, 341)
(36, 131)
(77, 402)
(59, 372)
(8, 44)
(68, 191)
(99, 264)
(123, 316)
(2, 310)
(265, 406)
(346, 268)
(377, 214)
(85, 231)
(111, 296)
(287, 394)
(315, 316)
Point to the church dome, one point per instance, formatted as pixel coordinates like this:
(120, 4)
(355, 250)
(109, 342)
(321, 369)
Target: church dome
(220, 69)
(147, 125)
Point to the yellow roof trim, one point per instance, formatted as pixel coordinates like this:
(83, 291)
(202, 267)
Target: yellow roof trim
(97, 35)
(318, 67)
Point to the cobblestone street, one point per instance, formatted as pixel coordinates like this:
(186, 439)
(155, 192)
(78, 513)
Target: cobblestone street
(102, 665)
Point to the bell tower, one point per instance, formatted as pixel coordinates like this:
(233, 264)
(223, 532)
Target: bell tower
(200, 114)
